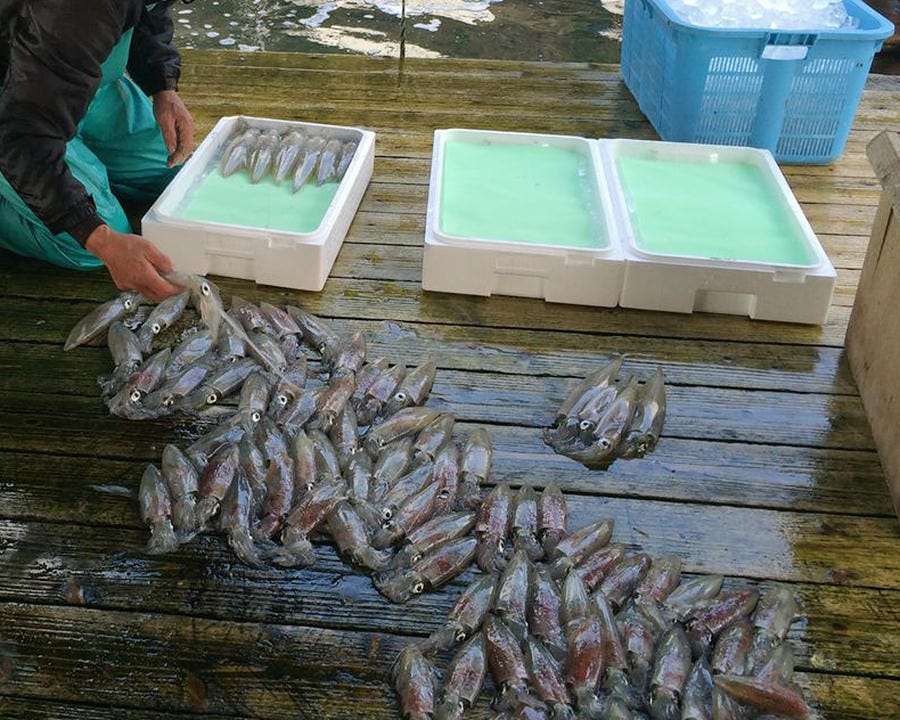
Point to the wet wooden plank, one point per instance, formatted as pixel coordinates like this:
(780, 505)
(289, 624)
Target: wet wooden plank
(201, 665)
(748, 542)
(833, 421)
(218, 64)
(594, 71)
(563, 110)
(795, 368)
(36, 709)
(837, 481)
(612, 106)
(785, 477)
(568, 99)
(432, 87)
(257, 670)
(694, 412)
(852, 630)
(847, 697)
(402, 301)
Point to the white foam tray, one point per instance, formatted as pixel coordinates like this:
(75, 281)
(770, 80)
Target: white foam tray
(759, 290)
(272, 257)
(623, 274)
(487, 267)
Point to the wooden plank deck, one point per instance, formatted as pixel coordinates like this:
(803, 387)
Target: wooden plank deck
(766, 472)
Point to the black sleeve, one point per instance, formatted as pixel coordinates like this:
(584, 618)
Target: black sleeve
(153, 62)
(56, 52)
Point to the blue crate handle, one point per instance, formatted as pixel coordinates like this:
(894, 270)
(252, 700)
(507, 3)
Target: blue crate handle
(787, 46)
(781, 57)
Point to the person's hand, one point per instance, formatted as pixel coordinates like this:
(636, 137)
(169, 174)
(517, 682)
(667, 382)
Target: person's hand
(176, 124)
(133, 262)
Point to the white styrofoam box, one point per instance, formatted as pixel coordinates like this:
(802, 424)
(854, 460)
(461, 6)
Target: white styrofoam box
(272, 257)
(767, 291)
(475, 266)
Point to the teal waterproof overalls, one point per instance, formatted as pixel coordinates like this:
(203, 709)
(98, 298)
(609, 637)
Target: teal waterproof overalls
(118, 148)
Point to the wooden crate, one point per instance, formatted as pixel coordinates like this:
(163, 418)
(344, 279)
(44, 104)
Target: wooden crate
(873, 334)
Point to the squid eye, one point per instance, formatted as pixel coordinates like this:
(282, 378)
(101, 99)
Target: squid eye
(584, 424)
(156, 328)
(418, 588)
(128, 303)
(255, 416)
(135, 395)
(400, 397)
(387, 513)
(211, 398)
(459, 705)
(444, 494)
(605, 444)
(460, 636)
(415, 558)
(169, 401)
(205, 289)
(282, 400)
(500, 545)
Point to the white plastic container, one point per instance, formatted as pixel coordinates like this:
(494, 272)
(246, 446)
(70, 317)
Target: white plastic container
(791, 290)
(557, 272)
(625, 271)
(299, 260)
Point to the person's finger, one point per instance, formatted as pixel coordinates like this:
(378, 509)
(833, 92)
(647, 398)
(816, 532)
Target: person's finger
(155, 287)
(177, 157)
(159, 259)
(167, 126)
(185, 141)
(187, 130)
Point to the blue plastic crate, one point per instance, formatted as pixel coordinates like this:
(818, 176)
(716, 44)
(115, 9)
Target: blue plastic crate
(793, 93)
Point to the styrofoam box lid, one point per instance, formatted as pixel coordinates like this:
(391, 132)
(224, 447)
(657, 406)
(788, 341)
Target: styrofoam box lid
(596, 177)
(762, 160)
(165, 209)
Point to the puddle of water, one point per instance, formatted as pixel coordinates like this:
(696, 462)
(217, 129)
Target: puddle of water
(549, 30)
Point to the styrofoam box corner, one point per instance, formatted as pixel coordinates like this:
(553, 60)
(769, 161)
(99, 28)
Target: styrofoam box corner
(555, 273)
(300, 261)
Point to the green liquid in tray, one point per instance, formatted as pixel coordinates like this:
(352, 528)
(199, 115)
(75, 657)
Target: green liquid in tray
(520, 193)
(236, 201)
(723, 210)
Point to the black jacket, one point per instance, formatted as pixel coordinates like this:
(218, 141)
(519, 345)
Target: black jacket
(50, 57)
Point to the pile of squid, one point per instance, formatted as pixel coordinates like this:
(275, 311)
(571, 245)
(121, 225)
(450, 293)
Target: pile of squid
(566, 625)
(334, 446)
(294, 155)
(605, 418)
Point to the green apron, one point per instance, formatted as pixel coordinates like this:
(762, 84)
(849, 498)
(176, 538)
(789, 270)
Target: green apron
(117, 150)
